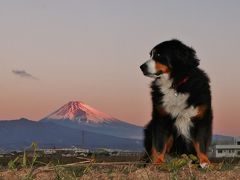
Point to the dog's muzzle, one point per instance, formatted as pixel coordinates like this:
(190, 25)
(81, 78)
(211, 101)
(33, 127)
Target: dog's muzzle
(144, 69)
(149, 69)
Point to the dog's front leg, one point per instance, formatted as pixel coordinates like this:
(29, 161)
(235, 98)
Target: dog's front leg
(161, 146)
(202, 156)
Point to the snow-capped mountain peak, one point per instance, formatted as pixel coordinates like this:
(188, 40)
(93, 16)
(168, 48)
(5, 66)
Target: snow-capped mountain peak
(79, 111)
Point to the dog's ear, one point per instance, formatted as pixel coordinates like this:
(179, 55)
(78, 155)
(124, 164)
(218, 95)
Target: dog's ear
(186, 56)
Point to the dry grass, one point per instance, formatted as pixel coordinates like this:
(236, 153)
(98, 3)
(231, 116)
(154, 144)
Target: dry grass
(177, 168)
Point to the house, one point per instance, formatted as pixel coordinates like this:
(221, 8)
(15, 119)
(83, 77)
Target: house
(237, 140)
(230, 150)
(73, 150)
(49, 151)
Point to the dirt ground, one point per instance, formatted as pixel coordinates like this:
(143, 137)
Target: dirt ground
(124, 171)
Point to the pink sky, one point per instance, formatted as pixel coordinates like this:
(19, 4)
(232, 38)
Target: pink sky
(91, 51)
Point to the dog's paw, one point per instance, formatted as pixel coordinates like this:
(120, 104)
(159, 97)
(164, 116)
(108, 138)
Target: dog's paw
(204, 165)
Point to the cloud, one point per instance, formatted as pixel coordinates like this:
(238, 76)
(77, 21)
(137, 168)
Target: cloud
(24, 74)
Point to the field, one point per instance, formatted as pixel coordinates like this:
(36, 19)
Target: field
(117, 167)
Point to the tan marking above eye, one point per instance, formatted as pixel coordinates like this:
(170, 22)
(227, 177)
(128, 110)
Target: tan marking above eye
(161, 67)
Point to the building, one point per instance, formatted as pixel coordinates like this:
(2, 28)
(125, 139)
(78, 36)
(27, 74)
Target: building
(49, 151)
(74, 150)
(237, 140)
(231, 150)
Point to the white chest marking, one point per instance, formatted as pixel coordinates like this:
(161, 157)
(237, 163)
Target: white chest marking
(176, 105)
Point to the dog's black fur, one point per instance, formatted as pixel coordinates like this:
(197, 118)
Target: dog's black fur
(182, 62)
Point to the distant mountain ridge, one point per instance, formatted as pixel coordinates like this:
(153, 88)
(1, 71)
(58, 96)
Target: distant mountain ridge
(19, 134)
(222, 139)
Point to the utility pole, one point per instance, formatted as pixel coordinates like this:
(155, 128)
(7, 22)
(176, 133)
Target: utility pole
(82, 138)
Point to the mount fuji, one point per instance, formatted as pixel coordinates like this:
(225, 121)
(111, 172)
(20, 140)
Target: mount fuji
(74, 124)
(81, 112)
(78, 115)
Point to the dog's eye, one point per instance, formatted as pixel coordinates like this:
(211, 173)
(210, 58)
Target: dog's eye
(156, 56)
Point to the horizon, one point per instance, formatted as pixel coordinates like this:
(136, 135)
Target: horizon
(90, 51)
(21, 118)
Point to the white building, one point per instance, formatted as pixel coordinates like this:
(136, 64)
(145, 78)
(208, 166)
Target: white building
(232, 150)
(237, 140)
(49, 151)
(74, 150)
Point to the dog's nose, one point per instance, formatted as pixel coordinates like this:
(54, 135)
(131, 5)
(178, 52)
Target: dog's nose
(143, 67)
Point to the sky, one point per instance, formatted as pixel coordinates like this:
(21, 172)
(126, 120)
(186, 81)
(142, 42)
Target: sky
(53, 52)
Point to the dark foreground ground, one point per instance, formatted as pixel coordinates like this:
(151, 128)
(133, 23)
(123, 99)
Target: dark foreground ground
(105, 167)
(122, 171)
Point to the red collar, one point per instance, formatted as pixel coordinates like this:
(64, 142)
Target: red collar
(175, 86)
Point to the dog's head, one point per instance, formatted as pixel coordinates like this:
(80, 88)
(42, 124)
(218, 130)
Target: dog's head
(170, 57)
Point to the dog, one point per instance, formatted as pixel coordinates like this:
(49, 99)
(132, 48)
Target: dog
(181, 103)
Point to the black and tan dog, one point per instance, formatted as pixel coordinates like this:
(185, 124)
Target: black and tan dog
(181, 103)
